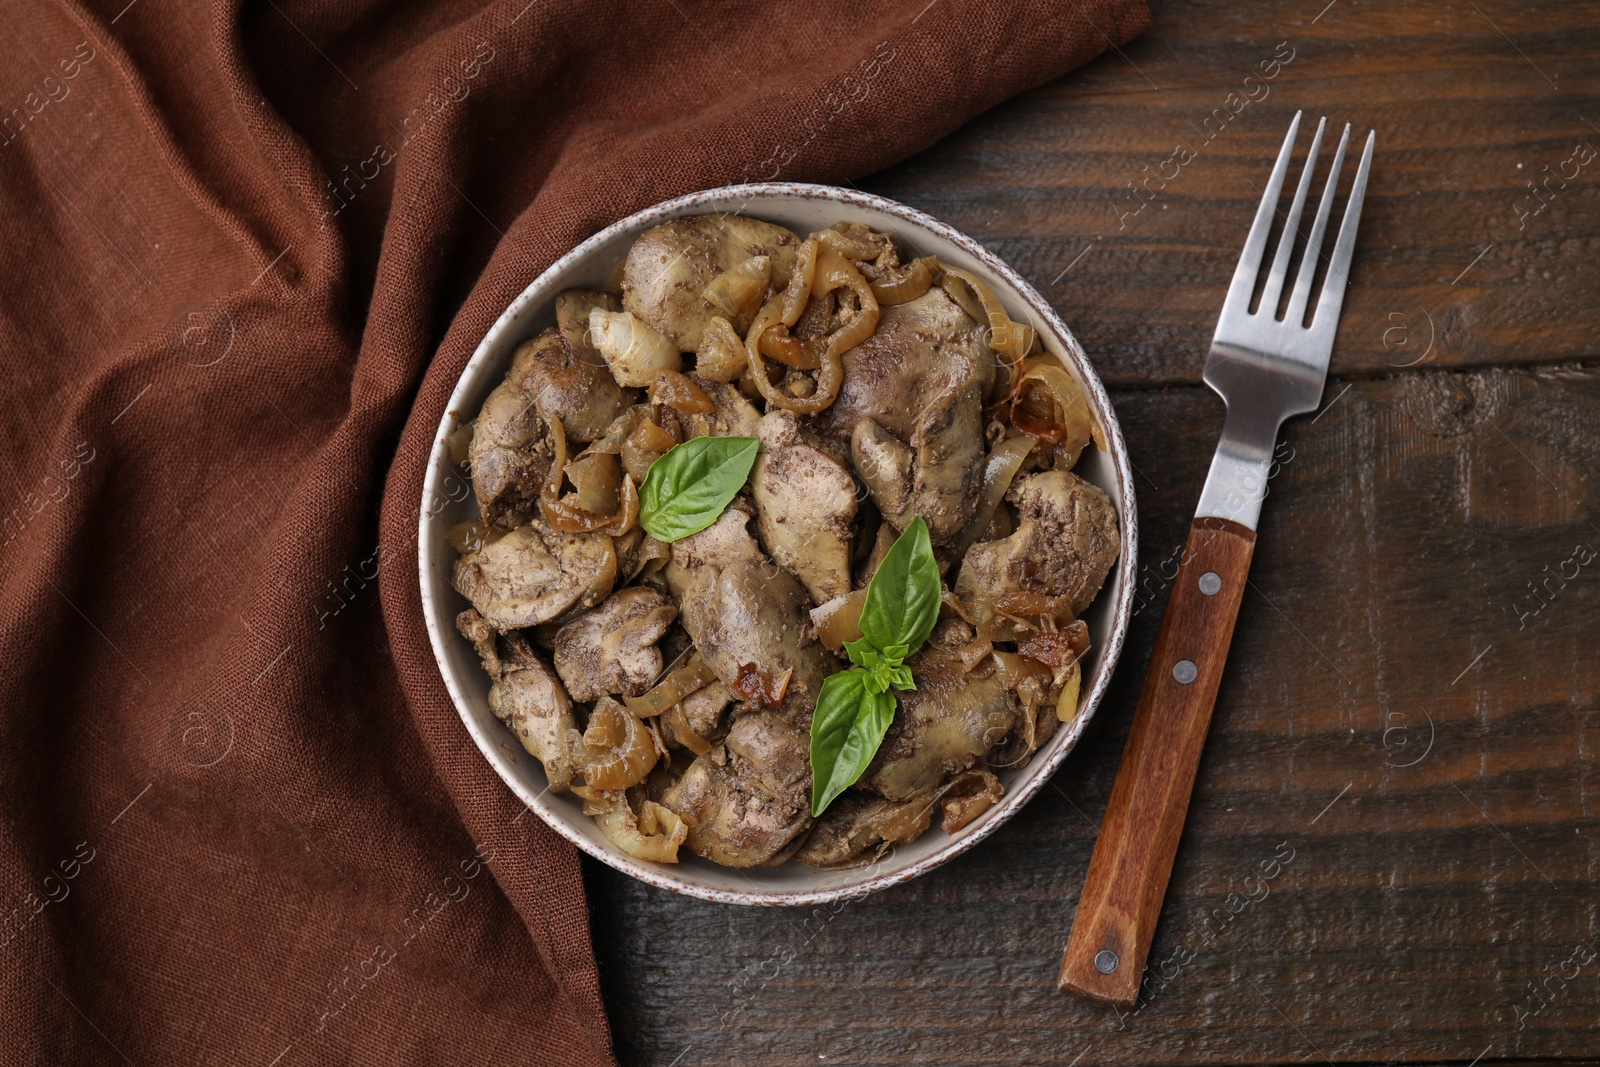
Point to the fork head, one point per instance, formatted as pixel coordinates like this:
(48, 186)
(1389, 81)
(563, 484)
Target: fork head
(1269, 366)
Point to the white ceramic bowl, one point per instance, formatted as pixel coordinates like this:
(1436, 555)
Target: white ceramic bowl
(803, 209)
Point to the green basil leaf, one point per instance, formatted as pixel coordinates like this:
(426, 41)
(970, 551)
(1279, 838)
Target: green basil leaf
(846, 730)
(899, 677)
(904, 594)
(690, 485)
(863, 654)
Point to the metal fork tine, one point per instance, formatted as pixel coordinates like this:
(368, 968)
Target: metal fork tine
(1326, 319)
(1244, 275)
(1291, 230)
(1296, 312)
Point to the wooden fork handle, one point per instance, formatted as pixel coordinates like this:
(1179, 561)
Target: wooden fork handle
(1133, 856)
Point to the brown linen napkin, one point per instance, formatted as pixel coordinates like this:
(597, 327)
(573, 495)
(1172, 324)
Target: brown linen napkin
(239, 819)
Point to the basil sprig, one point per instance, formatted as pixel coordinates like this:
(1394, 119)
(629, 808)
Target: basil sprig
(690, 485)
(855, 706)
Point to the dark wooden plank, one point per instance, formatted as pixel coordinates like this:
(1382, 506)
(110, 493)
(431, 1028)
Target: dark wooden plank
(1401, 732)
(1465, 118)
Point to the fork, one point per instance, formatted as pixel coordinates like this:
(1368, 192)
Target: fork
(1266, 368)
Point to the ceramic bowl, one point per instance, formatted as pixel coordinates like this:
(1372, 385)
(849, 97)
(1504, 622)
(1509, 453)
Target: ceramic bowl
(803, 209)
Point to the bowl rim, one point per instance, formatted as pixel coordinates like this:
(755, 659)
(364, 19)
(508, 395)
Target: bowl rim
(1045, 763)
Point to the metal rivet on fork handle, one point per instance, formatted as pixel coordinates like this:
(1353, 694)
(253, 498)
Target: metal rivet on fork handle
(1184, 671)
(1105, 961)
(1210, 583)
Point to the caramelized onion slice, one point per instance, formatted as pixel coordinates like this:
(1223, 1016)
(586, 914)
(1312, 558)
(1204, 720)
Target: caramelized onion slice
(675, 390)
(848, 245)
(974, 653)
(839, 620)
(651, 436)
(558, 514)
(472, 535)
(1056, 609)
(639, 554)
(627, 516)
(654, 834)
(1012, 669)
(1017, 616)
(777, 343)
(906, 283)
(962, 295)
(1008, 337)
(617, 748)
(834, 271)
(739, 292)
(1057, 648)
(675, 720)
(633, 350)
(598, 481)
(647, 442)
(967, 796)
(1067, 703)
(604, 579)
(792, 300)
(622, 426)
(720, 357)
(1048, 403)
(999, 469)
(567, 516)
(819, 269)
(829, 378)
(952, 605)
(680, 683)
(459, 443)
(760, 689)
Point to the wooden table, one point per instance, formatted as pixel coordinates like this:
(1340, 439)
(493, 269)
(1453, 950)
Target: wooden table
(1409, 721)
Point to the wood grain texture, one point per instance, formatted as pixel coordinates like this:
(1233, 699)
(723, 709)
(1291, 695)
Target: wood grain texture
(1463, 123)
(1128, 874)
(1406, 734)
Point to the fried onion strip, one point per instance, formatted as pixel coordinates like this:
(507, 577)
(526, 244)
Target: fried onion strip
(1007, 336)
(819, 269)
